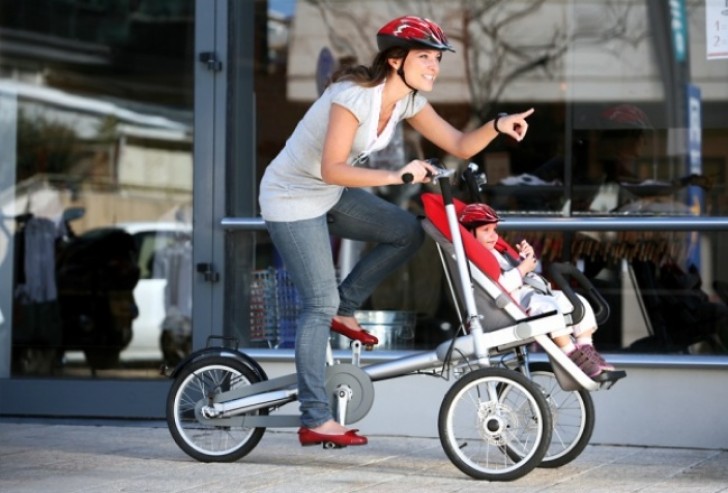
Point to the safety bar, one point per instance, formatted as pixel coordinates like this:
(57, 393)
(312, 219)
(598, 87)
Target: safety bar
(550, 223)
(559, 273)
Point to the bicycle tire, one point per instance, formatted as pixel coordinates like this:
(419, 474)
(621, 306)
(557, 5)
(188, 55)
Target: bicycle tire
(480, 424)
(201, 379)
(572, 413)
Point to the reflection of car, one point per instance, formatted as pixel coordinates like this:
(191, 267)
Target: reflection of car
(157, 244)
(164, 249)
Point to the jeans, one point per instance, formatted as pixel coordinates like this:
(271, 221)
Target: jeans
(305, 248)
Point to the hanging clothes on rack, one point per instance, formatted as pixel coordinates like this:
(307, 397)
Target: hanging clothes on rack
(174, 263)
(39, 265)
(37, 319)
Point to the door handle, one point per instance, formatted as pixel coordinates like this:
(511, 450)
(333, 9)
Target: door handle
(208, 272)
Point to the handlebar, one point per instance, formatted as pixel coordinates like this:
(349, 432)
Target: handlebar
(442, 173)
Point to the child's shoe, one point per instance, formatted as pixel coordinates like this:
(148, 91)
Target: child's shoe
(589, 360)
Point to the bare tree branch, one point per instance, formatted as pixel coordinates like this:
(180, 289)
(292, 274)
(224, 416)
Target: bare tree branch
(499, 44)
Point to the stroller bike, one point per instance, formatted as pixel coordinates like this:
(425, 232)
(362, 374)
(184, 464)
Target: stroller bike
(502, 417)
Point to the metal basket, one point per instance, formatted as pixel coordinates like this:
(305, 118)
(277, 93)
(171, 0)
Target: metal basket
(274, 308)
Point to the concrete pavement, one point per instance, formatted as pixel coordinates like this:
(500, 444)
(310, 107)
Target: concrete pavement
(121, 456)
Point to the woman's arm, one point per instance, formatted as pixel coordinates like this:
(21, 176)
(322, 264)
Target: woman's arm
(335, 170)
(465, 144)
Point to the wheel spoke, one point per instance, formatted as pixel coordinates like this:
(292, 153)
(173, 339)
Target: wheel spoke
(572, 414)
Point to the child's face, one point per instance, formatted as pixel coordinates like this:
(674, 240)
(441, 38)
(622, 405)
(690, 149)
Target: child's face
(487, 235)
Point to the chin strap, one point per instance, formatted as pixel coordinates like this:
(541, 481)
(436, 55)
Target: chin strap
(400, 72)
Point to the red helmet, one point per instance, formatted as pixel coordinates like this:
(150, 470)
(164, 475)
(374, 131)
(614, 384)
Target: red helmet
(411, 31)
(474, 215)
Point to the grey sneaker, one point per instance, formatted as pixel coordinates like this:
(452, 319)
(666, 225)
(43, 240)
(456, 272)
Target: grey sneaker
(589, 360)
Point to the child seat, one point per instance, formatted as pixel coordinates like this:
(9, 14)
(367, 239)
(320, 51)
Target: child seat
(496, 309)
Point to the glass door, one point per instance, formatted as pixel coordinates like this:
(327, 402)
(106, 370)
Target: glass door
(99, 103)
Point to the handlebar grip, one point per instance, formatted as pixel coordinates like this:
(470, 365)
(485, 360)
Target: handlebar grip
(409, 177)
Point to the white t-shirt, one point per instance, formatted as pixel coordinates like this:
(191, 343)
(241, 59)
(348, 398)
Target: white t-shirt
(292, 188)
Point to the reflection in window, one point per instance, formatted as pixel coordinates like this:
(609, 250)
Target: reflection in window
(613, 101)
(95, 182)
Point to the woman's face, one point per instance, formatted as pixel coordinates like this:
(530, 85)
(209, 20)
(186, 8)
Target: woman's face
(487, 235)
(421, 68)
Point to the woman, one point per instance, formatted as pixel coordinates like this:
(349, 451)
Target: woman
(313, 188)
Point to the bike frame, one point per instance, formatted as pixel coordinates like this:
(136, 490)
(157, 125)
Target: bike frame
(463, 353)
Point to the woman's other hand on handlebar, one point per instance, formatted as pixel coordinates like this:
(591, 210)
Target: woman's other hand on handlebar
(418, 171)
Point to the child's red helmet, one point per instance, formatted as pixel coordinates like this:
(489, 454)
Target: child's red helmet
(474, 215)
(411, 31)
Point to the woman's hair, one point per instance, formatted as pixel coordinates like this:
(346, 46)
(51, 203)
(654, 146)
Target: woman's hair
(373, 75)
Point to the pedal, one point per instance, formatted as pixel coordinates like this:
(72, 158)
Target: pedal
(332, 445)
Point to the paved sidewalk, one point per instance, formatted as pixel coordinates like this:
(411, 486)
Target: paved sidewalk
(108, 456)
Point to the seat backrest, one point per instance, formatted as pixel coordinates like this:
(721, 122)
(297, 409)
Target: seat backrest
(435, 212)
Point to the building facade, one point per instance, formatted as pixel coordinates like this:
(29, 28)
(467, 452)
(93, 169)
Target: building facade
(134, 134)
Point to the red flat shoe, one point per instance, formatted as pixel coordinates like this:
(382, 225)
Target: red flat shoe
(363, 336)
(309, 437)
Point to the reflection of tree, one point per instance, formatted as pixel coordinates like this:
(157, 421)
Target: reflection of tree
(44, 146)
(500, 41)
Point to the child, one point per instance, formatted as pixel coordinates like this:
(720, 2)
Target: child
(518, 278)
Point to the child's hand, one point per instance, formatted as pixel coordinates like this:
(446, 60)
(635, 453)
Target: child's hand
(528, 259)
(528, 264)
(525, 249)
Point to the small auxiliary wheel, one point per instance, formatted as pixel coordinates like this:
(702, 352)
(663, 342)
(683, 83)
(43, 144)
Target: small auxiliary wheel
(196, 385)
(495, 424)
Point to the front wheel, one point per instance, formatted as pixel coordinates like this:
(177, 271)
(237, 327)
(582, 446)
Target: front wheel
(495, 424)
(198, 383)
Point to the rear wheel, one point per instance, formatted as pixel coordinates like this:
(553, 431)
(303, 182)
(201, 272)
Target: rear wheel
(572, 413)
(198, 384)
(495, 424)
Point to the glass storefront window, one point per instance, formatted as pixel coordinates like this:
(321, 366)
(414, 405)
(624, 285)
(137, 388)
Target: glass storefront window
(96, 185)
(656, 304)
(630, 122)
